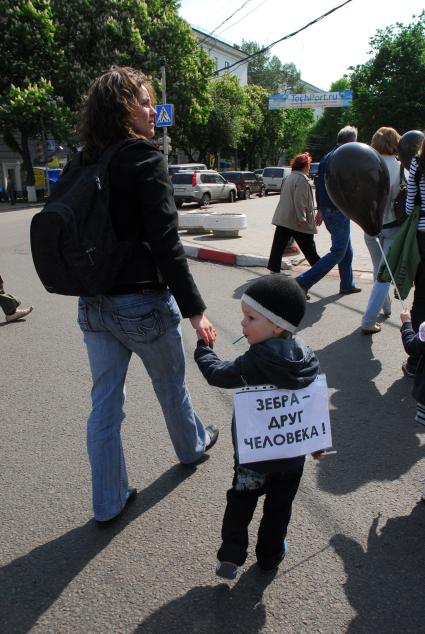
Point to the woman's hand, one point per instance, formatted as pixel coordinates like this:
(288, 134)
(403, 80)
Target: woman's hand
(319, 218)
(405, 316)
(204, 328)
(302, 223)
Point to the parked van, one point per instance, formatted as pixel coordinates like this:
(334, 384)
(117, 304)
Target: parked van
(273, 178)
(192, 167)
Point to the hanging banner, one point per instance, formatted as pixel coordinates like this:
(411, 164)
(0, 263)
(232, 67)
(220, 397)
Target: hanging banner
(272, 423)
(337, 99)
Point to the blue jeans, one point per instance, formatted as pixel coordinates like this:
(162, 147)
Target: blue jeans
(114, 327)
(379, 297)
(341, 252)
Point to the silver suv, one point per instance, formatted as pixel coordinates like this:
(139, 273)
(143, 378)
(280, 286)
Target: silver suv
(202, 187)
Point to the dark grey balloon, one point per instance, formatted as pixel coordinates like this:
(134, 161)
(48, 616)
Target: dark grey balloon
(358, 183)
(409, 145)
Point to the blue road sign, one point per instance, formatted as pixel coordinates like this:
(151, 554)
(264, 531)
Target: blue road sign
(164, 115)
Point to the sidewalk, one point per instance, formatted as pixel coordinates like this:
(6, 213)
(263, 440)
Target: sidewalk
(20, 206)
(252, 247)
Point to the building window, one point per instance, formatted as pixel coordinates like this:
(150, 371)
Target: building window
(226, 67)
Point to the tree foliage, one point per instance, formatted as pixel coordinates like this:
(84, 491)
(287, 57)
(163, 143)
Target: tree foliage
(223, 127)
(322, 134)
(389, 89)
(51, 50)
(269, 72)
(28, 55)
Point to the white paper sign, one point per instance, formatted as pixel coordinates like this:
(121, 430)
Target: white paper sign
(272, 423)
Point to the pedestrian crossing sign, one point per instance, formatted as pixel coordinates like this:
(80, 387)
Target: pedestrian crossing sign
(164, 115)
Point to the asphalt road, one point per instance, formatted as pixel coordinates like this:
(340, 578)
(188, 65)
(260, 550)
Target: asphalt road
(356, 560)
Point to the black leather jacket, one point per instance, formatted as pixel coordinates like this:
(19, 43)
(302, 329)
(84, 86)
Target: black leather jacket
(143, 211)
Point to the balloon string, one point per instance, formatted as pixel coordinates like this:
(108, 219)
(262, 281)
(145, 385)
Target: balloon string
(391, 273)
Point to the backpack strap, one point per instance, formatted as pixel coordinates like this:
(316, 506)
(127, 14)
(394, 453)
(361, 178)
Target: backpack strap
(111, 151)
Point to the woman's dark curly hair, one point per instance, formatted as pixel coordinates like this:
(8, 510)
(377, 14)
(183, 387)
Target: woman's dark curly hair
(107, 112)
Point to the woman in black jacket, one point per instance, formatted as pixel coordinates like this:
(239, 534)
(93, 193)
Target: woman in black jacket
(140, 312)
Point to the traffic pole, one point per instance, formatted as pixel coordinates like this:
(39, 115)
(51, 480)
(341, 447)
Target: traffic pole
(164, 100)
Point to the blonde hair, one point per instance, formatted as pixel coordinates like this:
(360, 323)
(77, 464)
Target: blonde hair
(385, 141)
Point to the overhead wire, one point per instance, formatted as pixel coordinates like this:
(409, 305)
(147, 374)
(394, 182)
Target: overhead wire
(285, 37)
(243, 17)
(226, 20)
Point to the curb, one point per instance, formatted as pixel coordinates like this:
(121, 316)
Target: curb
(245, 259)
(226, 257)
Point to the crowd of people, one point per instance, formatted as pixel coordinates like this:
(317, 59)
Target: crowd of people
(141, 311)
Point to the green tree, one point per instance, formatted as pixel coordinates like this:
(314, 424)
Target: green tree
(389, 89)
(225, 123)
(28, 54)
(298, 124)
(269, 72)
(30, 110)
(271, 135)
(322, 134)
(141, 33)
(51, 50)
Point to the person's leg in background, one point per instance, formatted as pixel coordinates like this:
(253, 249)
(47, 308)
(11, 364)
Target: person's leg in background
(9, 305)
(339, 228)
(376, 257)
(281, 237)
(379, 297)
(308, 246)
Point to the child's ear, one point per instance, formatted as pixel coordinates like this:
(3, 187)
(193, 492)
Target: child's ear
(277, 331)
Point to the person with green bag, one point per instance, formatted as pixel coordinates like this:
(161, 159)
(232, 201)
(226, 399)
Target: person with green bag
(403, 257)
(409, 265)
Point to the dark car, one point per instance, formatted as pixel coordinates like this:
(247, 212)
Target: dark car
(314, 172)
(247, 183)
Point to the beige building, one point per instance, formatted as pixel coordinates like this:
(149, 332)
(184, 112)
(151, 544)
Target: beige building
(227, 58)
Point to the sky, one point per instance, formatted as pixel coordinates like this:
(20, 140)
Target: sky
(322, 52)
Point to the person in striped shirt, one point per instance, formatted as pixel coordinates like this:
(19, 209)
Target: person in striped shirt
(415, 196)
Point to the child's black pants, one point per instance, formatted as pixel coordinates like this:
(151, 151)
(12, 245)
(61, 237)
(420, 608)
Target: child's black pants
(279, 490)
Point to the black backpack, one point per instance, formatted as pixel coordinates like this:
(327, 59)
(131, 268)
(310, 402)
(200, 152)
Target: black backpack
(73, 242)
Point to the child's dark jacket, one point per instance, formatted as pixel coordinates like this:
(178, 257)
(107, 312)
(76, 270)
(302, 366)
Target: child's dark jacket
(415, 347)
(285, 363)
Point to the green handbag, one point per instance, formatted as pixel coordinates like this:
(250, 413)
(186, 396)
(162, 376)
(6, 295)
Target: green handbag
(403, 256)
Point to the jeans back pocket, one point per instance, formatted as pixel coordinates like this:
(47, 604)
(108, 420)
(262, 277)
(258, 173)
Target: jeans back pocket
(142, 329)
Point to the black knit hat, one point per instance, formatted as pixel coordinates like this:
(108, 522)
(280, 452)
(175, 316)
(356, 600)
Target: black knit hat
(278, 298)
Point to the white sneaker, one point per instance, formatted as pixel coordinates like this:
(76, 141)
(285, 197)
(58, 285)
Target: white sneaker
(19, 313)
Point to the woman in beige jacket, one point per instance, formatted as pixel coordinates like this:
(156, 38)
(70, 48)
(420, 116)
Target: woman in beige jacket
(294, 216)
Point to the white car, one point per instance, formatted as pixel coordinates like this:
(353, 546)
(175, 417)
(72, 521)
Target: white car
(273, 178)
(202, 187)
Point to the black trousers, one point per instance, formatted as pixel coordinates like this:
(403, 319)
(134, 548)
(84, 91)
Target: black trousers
(418, 306)
(279, 491)
(282, 235)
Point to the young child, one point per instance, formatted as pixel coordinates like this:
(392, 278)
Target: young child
(414, 344)
(272, 307)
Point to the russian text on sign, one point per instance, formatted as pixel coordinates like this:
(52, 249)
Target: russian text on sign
(272, 424)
